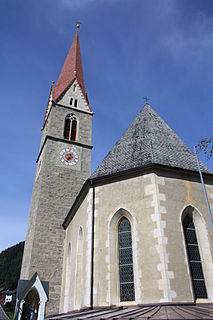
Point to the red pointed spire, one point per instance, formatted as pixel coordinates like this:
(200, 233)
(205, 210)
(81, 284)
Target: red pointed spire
(72, 69)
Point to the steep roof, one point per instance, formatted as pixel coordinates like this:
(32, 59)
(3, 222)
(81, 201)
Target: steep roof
(71, 70)
(148, 140)
(49, 103)
(3, 315)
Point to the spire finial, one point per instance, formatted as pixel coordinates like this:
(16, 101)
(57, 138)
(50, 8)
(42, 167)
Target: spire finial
(78, 25)
(72, 69)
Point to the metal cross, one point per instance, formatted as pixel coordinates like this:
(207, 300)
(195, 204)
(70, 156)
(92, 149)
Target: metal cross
(146, 99)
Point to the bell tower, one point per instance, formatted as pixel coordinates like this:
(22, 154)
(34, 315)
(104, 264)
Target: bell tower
(63, 165)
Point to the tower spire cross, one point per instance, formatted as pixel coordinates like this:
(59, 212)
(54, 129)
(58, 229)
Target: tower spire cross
(146, 99)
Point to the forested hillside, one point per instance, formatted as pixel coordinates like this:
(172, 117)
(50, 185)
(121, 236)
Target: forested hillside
(10, 266)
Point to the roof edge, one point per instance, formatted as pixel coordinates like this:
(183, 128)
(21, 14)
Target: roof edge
(131, 173)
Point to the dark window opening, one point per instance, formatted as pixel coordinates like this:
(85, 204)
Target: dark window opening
(73, 130)
(71, 101)
(74, 87)
(76, 103)
(70, 127)
(127, 289)
(31, 305)
(67, 128)
(195, 262)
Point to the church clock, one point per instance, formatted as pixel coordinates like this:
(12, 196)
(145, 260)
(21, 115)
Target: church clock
(69, 156)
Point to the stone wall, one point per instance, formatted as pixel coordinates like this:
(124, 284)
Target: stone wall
(55, 189)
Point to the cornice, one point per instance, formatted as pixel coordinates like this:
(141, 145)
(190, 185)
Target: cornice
(62, 140)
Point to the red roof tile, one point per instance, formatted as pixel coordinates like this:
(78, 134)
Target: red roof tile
(72, 69)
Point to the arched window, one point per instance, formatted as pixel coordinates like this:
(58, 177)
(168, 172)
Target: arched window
(70, 127)
(76, 103)
(74, 87)
(194, 259)
(127, 290)
(71, 101)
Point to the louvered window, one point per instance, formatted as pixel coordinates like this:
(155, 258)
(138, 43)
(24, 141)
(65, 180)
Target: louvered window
(70, 127)
(127, 290)
(194, 258)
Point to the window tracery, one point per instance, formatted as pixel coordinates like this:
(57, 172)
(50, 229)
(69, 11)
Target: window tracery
(70, 127)
(127, 290)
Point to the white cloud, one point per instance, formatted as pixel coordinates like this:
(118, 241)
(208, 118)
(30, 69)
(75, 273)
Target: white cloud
(191, 37)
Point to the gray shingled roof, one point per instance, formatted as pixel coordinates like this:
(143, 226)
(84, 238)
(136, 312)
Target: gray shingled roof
(148, 140)
(3, 315)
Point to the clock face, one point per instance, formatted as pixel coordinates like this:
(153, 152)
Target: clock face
(69, 156)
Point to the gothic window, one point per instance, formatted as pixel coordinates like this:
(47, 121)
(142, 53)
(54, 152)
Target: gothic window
(71, 101)
(194, 259)
(76, 103)
(127, 290)
(74, 87)
(70, 127)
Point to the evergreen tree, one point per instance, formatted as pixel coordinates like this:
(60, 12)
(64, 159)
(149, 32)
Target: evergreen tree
(10, 266)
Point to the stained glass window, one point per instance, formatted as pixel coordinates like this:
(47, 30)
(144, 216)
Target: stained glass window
(127, 290)
(194, 258)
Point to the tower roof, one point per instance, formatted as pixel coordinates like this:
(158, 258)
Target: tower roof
(148, 140)
(71, 70)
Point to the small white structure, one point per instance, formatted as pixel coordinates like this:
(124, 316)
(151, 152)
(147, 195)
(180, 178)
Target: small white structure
(33, 300)
(8, 298)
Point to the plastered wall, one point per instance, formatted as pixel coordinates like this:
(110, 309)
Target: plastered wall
(154, 205)
(74, 293)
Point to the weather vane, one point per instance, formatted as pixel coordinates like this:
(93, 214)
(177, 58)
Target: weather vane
(146, 99)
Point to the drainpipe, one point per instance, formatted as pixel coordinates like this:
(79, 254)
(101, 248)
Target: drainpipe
(92, 245)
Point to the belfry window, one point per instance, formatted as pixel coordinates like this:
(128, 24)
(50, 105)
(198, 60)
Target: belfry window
(76, 103)
(194, 259)
(71, 101)
(127, 290)
(70, 128)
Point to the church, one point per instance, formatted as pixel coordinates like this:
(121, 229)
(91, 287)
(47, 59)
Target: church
(133, 238)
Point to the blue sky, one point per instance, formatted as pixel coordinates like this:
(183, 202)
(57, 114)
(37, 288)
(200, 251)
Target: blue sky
(130, 49)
